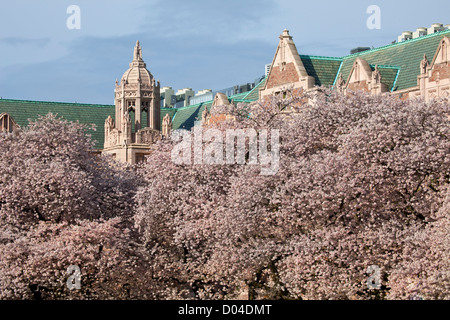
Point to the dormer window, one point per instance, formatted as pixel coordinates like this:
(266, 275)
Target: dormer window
(7, 123)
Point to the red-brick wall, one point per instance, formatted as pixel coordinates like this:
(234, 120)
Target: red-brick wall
(443, 69)
(362, 85)
(278, 77)
(405, 96)
(215, 118)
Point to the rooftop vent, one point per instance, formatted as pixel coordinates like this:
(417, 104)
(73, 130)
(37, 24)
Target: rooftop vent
(420, 32)
(436, 27)
(406, 35)
(359, 49)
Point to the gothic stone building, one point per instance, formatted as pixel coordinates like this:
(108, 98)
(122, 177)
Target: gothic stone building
(415, 68)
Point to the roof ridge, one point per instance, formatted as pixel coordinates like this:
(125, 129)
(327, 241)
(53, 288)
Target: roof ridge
(395, 80)
(398, 43)
(320, 57)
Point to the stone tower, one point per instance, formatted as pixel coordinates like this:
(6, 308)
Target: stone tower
(137, 122)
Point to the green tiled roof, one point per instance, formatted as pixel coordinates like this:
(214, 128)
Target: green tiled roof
(254, 94)
(323, 69)
(22, 110)
(389, 75)
(399, 63)
(238, 96)
(406, 55)
(185, 117)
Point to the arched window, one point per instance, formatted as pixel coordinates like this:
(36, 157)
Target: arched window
(133, 119)
(145, 107)
(131, 105)
(7, 123)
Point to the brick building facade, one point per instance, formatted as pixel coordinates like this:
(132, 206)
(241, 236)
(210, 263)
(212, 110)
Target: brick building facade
(418, 67)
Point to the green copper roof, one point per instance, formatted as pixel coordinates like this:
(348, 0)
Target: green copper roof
(399, 63)
(323, 69)
(185, 117)
(22, 110)
(238, 96)
(405, 55)
(254, 94)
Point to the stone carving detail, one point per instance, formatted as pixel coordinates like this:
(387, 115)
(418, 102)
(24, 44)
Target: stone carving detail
(340, 82)
(147, 136)
(137, 51)
(109, 127)
(109, 123)
(113, 138)
(166, 126)
(424, 65)
(205, 115)
(126, 130)
(376, 76)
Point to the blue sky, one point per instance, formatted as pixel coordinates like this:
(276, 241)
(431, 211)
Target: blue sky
(200, 44)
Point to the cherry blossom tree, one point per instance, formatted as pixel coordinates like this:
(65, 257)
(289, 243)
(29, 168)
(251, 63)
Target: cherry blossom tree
(62, 206)
(358, 208)
(36, 265)
(424, 270)
(360, 177)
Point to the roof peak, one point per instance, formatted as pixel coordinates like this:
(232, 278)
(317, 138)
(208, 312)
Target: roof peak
(285, 35)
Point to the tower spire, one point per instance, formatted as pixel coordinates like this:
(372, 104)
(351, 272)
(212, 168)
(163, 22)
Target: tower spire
(137, 51)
